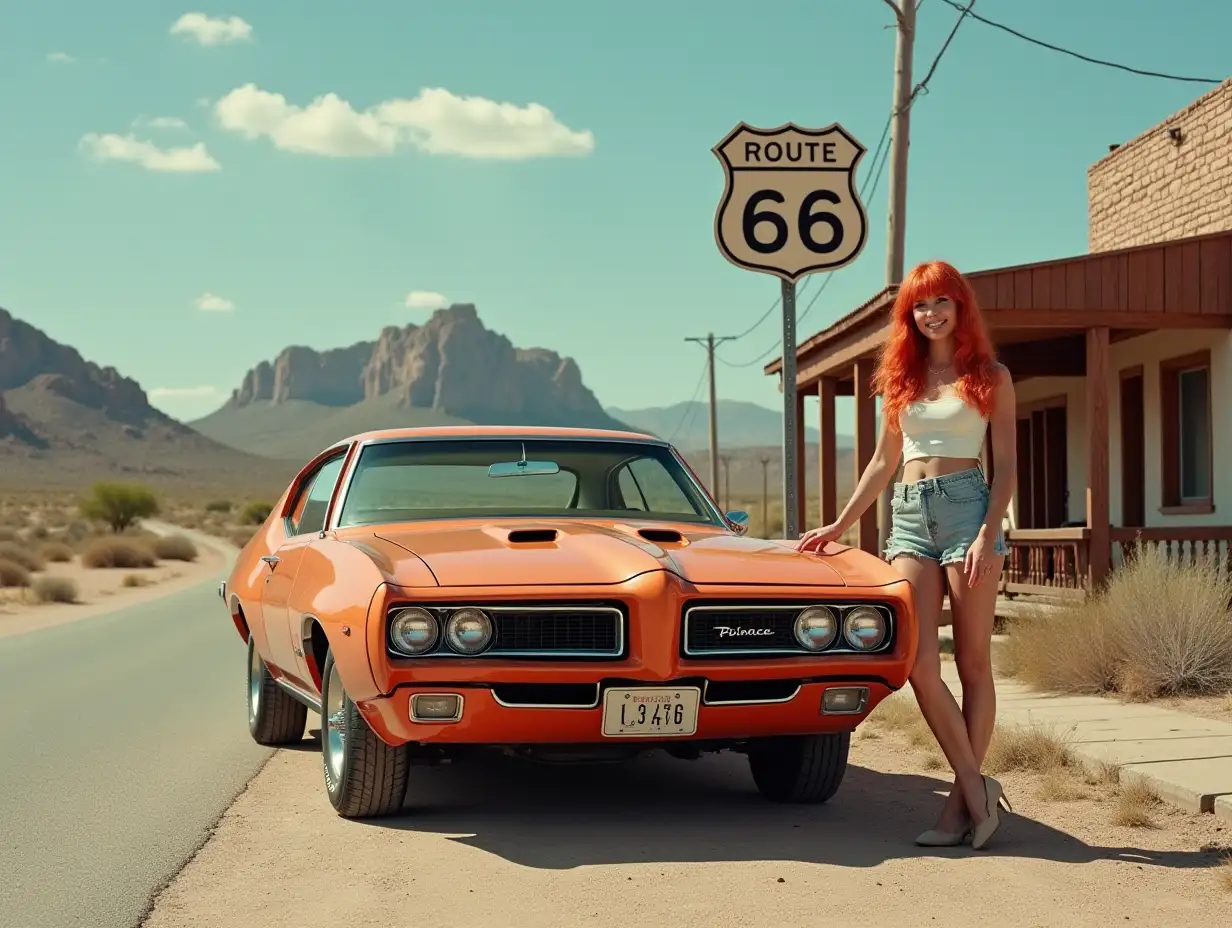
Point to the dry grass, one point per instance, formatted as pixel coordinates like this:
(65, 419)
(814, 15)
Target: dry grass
(136, 580)
(13, 575)
(1135, 804)
(174, 548)
(1224, 874)
(1032, 748)
(55, 590)
(1158, 629)
(17, 553)
(117, 552)
(56, 552)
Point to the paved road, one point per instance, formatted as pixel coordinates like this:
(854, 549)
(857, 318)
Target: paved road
(123, 741)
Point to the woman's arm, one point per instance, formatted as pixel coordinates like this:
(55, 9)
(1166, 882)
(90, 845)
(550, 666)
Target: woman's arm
(877, 475)
(1004, 454)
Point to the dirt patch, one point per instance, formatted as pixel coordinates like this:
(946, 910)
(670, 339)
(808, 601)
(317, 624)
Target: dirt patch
(665, 842)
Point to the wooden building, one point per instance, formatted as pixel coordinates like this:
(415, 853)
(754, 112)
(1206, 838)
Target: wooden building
(1122, 362)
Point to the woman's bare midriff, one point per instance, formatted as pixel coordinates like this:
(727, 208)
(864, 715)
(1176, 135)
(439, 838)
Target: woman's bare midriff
(923, 468)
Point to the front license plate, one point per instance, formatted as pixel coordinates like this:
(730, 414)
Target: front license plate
(651, 711)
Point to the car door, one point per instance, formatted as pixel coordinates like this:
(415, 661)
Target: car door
(301, 527)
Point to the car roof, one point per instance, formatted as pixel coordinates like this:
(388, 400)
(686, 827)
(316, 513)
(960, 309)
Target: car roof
(498, 431)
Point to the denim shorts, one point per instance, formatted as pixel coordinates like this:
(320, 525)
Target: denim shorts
(939, 518)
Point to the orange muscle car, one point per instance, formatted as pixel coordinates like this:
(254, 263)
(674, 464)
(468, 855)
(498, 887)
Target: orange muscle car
(555, 594)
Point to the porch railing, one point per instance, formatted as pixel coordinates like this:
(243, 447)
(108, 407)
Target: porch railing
(1046, 560)
(1054, 561)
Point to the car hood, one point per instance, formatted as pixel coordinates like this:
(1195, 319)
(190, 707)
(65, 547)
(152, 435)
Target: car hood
(590, 553)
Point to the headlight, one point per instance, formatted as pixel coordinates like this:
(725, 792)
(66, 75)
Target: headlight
(468, 631)
(864, 628)
(816, 627)
(413, 630)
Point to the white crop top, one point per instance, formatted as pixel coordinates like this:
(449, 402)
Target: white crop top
(942, 428)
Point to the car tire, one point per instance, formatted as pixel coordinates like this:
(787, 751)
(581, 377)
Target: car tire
(804, 769)
(364, 776)
(275, 717)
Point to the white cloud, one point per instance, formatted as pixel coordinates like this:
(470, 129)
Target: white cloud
(183, 160)
(209, 303)
(209, 30)
(425, 299)
(182, 393)
(436, 122)
(167, 122)
(60, 58)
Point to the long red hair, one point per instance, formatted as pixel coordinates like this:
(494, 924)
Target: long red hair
(902, 369)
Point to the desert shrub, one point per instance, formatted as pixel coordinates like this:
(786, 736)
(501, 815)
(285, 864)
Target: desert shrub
(39, 532)
(1159, 628)
(18, 553)
(57, 552)
(117, 552)
(55, 590)
(13, 575)
(76, 532)
(174, 548)
(135, 580)
(119, 504)
(255, 513)
(241, 536)
(218, 505)
(9, 536)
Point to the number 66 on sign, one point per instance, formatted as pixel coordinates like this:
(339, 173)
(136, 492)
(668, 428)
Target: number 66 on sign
(790, 205)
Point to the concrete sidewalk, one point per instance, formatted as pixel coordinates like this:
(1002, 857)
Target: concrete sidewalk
(1187, 759)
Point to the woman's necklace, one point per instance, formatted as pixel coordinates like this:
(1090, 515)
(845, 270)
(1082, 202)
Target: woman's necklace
(937, 371)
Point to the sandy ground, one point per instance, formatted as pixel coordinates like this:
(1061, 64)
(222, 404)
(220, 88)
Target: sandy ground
(502, 844)
(102, 590)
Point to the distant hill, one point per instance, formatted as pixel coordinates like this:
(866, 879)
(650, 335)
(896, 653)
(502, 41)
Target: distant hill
(449, 371)
(65, 422)
(741, 425)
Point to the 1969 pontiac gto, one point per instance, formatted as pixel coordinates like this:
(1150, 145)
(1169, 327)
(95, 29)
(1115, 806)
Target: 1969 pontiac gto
(559, 594)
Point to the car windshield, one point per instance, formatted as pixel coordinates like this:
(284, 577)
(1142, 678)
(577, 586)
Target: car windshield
(402, 481)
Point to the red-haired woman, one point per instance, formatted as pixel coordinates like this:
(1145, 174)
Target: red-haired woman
(941, 389)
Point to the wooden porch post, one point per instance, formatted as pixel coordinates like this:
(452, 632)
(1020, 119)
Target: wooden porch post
(827, 450)
(801, 456)
(1099, 556)
(866, 443)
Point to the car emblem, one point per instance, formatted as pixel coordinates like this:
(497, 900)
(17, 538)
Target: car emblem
(735, 631)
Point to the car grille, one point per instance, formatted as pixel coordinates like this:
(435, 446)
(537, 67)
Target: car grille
(539, 631)
(764, 629)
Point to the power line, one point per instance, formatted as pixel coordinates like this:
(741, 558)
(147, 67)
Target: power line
(1081, 57)
(689, 408)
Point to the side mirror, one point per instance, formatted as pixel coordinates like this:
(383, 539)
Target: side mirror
(738, 520)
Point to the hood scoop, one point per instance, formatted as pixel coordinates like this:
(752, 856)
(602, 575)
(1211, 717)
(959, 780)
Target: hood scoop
(665, 536)
(528, 536)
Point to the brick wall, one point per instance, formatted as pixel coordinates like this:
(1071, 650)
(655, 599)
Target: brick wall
(1155, 189)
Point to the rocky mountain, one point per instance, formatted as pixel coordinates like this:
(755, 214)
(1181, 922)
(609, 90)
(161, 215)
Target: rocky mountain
(65, 420)
(451, 369)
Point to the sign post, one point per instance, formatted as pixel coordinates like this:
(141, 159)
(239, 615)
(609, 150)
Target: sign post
(790, 208)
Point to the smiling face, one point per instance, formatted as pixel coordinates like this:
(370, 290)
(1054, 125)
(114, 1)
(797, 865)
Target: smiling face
(936, 317)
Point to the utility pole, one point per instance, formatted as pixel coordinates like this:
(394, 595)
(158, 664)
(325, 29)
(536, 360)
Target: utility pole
(710, 342)
(726, 459)
(765, 496)
(900, 141)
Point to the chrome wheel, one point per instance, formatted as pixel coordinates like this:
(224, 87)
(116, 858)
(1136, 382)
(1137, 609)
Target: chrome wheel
(255, 669)
(335, 724)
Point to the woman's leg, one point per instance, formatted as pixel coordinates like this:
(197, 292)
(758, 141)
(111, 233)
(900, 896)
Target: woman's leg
(935, 699)
(973, 611)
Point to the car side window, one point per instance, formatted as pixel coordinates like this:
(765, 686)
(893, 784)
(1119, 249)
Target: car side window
(646, 485)
(309, 514)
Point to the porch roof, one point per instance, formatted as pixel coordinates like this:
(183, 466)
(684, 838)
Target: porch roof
(1184, 283)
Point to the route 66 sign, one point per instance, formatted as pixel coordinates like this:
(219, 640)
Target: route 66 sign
(790, 205)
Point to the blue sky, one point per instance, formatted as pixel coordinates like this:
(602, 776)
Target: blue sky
(313, 227)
